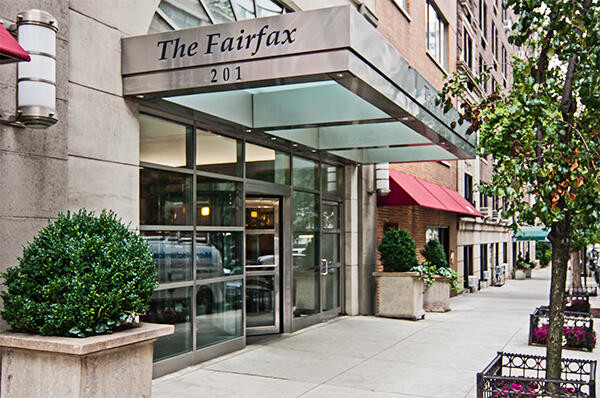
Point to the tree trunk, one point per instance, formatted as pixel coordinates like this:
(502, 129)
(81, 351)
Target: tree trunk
(577, 269)
(560, 238)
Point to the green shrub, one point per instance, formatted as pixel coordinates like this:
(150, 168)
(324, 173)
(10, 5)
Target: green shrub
(82, 275)
(398, 251)
(434, 253)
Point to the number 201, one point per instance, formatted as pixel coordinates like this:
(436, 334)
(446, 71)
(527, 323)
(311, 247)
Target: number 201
(225, 75)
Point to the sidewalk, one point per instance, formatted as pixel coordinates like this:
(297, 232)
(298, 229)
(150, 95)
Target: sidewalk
(371, 357)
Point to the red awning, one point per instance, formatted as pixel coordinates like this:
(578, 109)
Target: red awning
(406, 190)
(10, 50)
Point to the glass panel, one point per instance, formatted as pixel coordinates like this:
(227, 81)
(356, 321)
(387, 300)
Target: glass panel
(173, 307)
(306, 210)
(260, 301)
(164, 198)
(260, 249)
(163, 142)
(330, 248)
(218, 202)
(331, 290)
(184, 13)
(244, 9)
(332, 179)
(305, 250)
(266, 8)
(260, 218)
(306, 292)
(267, 164)
(158, 25)
(218, 254)
(217, 154)
(306, 173)
(218, 312)
(220, 10)
(330, 217)
(173, 254)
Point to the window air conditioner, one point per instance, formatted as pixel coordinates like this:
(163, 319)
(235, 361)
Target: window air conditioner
(507, 25)
(486, 275)
(473, 281)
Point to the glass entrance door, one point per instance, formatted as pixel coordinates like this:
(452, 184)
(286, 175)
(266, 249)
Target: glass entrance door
(330, 257)
(262, 266)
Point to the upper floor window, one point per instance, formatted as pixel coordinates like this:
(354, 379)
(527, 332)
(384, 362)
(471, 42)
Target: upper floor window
(483, 21)
(467, 48)
(469, 187)
(436, 35)
(403, 4)
(182, 14)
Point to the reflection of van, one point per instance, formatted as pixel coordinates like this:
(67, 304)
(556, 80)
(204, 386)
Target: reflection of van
(173, 258)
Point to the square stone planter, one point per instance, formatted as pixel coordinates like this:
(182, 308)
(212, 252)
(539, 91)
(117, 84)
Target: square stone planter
(437, 296)
(528, 273)
(519, 274)
(400, 295)
(115, 365)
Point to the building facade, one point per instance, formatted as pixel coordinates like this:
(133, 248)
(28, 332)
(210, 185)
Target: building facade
(243, 149)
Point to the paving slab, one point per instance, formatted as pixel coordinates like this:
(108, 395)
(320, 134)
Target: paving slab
(372, 357)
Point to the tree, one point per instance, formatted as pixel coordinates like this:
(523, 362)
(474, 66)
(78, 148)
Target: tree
(543, 134)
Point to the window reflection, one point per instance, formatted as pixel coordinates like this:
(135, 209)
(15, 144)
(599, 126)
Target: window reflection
(244, 9)
(218, 202)
(267, 164)
(306, 210)
(305, 250)
(332, 178)
(172, 253)
(220, 10)
(218, 312)
(330, 216)
(260, 249)
(306, 292)
(306, 173)
(163, 142)
(173, 307)
(267, 8)
(164, 197)
(217, 154)
(184, 13)
(218, 254)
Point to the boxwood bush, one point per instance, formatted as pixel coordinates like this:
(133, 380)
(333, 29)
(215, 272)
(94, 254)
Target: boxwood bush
(82, 275)
(434, 253)
(397, 250)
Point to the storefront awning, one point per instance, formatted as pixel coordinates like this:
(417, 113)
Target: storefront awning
(407, 190)
(324, 80)
(10, 50)
(537, 233)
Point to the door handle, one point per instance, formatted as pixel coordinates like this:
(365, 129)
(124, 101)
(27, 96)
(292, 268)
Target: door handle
(324, 267)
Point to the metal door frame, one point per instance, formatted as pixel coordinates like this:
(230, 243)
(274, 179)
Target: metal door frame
(276, 272)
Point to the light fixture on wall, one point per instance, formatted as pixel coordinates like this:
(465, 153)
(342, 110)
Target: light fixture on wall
(382, 178)
(36, 80)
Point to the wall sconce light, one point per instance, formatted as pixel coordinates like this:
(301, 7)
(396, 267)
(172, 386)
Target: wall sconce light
(205, 211)
(253, 214)
(36, 80)
(382, 178)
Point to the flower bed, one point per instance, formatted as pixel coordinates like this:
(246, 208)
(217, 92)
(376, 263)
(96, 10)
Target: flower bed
(578, 330)
(522, 376)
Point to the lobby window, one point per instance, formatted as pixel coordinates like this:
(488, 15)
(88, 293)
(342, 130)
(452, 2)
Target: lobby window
(267, 164)
(467, 48)
(182, 14)
(469, 187)
(436, 35)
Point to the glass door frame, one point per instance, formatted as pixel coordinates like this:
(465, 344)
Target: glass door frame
(276, 272)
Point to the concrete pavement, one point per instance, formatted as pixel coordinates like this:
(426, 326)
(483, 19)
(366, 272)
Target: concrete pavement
(372, 357)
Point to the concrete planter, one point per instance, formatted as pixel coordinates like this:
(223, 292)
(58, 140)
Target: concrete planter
(528, 273)
(400, 295)
(437, 296)
(519, 274)
(113, 365)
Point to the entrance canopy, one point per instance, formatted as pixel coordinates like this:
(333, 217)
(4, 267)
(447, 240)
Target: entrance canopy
(324, 79)
(10, 50)
(538, 233)
(406, 190)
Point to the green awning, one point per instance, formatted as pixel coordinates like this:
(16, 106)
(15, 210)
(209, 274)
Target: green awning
(539, 234)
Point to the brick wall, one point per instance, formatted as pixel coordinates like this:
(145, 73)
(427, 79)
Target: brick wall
(444, 174)
(416, 219)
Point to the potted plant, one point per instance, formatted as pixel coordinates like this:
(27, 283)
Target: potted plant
(438, 281)
(72, 302)
(521, 267)
(399, 291)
